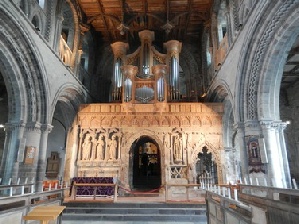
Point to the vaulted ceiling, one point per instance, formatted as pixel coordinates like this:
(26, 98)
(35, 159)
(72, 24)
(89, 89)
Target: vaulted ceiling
(121, 20)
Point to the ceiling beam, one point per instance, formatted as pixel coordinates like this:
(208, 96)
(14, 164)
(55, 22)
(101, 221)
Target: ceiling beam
(104, 19)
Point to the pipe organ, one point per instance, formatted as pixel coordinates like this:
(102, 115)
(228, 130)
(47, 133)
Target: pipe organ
(146, 76)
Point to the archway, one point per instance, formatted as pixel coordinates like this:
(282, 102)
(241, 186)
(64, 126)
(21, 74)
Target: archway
(206, 167)
(146, 167)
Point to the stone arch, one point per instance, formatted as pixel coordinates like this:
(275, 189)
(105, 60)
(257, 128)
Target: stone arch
(76, 32)
(24, 75)
(37, 19)
(220, 92)
(27, 89)
(191, 68)
(246, 58)
(197, 148)
(272, 68)
(127, 143)
(24, 5)
(71, 95)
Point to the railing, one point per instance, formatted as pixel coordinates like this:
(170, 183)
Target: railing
(206, 180)
(238, 200)
(271, 193)
(10, 189)
(13, 208)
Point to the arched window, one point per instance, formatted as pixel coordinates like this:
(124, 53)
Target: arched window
(35, 22)
(208, 53)
(41, 3)
(221, 21)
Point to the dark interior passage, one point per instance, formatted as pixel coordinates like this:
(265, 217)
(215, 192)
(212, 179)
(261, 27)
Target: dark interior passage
(146, 164)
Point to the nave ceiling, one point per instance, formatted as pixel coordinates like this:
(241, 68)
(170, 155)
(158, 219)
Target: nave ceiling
(121, 20)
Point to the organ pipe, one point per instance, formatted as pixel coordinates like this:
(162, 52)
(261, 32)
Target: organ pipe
(173, 50)
(117, 80)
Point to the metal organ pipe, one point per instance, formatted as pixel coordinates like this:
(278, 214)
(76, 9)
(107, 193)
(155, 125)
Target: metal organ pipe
(174, 77)
(117, 80)
(145, 64)
(128, 90)
(173, 50)
(160, 89)
(119, 51)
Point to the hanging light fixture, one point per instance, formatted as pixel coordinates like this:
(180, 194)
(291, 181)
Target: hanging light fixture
(122, 27)
(167, 26)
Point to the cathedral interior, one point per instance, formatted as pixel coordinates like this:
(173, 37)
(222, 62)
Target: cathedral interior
(153, 93)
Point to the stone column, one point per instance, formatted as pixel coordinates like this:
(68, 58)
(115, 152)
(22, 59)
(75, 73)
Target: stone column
(36, 136)
(275, 165)
(72, 155)
(12, 153)
(240, 141)
(284, 154)
(230, 172)
(42, 157)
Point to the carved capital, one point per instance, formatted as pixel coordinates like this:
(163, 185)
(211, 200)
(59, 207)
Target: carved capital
(46, 127)
(14, 126)
(252, 124)
(33, 126)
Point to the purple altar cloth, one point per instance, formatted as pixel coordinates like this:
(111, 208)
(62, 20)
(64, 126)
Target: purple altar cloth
(85, 190)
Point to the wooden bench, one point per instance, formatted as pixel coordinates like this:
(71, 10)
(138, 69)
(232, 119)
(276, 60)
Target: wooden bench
(44, 214)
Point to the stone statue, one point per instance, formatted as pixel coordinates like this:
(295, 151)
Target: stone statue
(100, 149)
(112, 146)
(177, 154)
(86, 148)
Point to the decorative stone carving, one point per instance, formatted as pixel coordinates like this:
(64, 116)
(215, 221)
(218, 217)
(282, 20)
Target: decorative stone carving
(178, 138)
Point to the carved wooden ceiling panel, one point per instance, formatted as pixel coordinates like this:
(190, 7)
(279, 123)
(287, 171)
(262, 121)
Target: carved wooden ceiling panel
(121, 20)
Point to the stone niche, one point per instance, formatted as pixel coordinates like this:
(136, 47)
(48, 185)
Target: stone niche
(108, 132)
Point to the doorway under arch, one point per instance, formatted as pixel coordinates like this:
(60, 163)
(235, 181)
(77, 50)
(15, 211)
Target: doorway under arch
(146, 164)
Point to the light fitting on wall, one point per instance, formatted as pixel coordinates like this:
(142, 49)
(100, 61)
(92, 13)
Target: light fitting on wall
(1, 125)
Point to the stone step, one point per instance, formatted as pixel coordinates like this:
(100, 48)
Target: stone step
(139, 211)
(132, 205)
(106, 213)
(133, 217)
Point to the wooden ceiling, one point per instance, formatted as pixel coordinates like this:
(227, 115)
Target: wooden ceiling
(121, 20)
